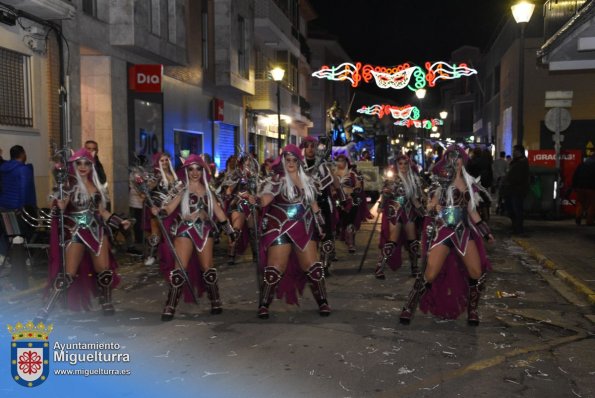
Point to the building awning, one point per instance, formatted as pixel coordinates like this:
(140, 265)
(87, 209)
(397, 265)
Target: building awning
(572, 47)
(44, 9)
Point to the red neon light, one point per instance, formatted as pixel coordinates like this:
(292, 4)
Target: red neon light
(397, 112)
(396, 77)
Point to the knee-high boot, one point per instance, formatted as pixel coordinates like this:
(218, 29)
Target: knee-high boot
(387, 251)
(104, 283)
(176, 281)
(476, 286)
(315, 275)
(419, 288)
(414, 247)
(61, 284)
(327, 249)
(211, 277)
(272, 277)
(231, 256)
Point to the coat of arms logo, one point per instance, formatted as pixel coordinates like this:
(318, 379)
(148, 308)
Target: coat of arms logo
(30, 353)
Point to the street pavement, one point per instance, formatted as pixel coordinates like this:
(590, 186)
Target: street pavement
(564, 248)
(535, 337)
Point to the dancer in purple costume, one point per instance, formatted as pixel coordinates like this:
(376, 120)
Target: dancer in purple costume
(198, 212)
(402, 198)
(238, 209)
(363, 212)
(456, 268)
(347, 192)
(290, 214)
(165, 180)
(318, 169)
(89, 267)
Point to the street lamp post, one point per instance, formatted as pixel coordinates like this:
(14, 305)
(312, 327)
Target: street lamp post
(277, 75)
(421, 94)
(522, 12)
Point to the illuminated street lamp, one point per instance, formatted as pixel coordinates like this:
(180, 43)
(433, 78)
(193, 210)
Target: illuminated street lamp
(443, 115)
(420, 93)
(277, 75)
(522, 12)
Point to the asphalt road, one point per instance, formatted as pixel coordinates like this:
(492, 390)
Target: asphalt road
(537, 343)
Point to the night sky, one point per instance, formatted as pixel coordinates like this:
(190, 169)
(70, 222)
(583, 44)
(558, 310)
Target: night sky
(390, 32)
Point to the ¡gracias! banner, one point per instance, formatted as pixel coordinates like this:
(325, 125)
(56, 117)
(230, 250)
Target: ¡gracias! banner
(569, 161)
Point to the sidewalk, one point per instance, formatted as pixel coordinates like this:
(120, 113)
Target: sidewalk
(561, 246)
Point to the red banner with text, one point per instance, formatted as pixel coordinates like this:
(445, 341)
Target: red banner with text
(569, 161)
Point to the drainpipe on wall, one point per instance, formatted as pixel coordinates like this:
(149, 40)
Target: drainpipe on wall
(65, 138)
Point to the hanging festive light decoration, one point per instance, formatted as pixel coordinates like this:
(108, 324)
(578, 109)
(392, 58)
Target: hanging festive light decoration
(425, 123)
(398, 77)
(397, 112)
(442, 70)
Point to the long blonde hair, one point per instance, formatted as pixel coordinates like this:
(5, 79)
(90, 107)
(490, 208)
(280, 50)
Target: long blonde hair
(185, 204)
(164, 181)
(289, 188)
(81, 193)
(470, 181)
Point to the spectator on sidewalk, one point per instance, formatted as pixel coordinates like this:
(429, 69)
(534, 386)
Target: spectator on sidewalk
(136, 208)
(499, 172)
(516, 187)
(480, 165)
(17, 188)
(17, 183)
(583, 183)
(93, 148)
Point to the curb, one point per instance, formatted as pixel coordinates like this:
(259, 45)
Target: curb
(560, 273)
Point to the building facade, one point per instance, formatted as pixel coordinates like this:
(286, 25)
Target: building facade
(280, 28)
(139, 77)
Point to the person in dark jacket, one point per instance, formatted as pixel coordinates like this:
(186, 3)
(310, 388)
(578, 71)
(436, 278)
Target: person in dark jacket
(583, 183)
(480, 165)
(516, 187)
(18, 185)
(17, 188)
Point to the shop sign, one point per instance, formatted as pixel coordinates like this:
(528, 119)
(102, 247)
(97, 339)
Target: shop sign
(218, 108)
(145, 78)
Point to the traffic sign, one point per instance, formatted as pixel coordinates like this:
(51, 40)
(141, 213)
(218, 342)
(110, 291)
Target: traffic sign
(557, 119)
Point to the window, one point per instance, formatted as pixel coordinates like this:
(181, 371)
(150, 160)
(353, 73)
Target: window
(90, 7)
(243, 58)
(15, 89)
(293, 76)
(155, 17)
(205, 37)
(171, 16)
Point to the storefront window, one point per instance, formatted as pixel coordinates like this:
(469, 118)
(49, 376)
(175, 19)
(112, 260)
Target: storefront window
(187, 142)
(148, 127)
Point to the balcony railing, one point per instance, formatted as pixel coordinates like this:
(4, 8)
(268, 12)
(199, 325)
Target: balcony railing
(305, 108)
(557, 13)
(304, 48)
